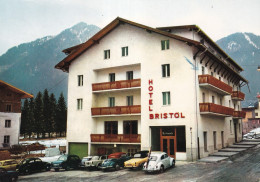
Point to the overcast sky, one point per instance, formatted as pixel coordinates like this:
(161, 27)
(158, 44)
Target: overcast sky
(26, 20)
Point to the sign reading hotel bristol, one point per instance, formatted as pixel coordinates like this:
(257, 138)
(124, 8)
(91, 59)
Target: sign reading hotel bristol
(160, 115)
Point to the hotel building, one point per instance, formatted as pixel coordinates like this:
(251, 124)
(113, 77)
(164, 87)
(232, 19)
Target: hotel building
(132, 87)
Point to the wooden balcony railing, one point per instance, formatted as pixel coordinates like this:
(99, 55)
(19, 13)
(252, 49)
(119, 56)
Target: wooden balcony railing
(116, 85)
(120, 138)
(214, 108)
(208, 79)
(116, 110)
(239, 114)
(237, 95)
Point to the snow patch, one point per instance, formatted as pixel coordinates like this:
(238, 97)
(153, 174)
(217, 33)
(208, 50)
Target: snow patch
(233, 46)
(249, 40)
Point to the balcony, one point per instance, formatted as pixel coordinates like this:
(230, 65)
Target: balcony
(117, 110)
(116, 138)
(239, 114)
(237, 95)
(214, 109)
(123, 84)
(214, 84)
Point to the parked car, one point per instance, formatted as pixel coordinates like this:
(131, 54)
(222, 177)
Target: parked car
(84, 159)
(8, 164)
(114, 163)
(66, 162)
(158, 161)
(8, 175)
(138, 161)
(95, 161)
(30, 165)
(116, 155)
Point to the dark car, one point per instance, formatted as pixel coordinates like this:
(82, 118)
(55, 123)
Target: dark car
(30, 165)
(8, 175)
(114, 163)
(66, 162)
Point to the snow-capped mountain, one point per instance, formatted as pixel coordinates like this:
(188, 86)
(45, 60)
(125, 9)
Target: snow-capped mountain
(244, 48)
(30, 66)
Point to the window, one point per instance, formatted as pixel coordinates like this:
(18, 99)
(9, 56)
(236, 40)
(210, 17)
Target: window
(130, 100)
(129, 75)
(124, 51)
(256, 114)
(111, 101)
(229, 103)
(111, 127)
(79, 104)
(205, 141)
(220, 101)
(222, 138)
(215, 139)
(165, 44)
(165, 70)
(8, 108)
(80, 80)
(130, 127)
(202, 70)
(219, 78)
(112, 77)
(212, 74)
(8, 123)
(213, 99)
(106, 54)
(166, 98)
(6, 139)
(234, 106)
(203, 98)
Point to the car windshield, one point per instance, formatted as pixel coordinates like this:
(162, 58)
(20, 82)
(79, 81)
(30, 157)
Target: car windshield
(153, 158)
(113, 160)
(87, 158)
(62, 158)
(24, 161)
(137, 156)
(95, 158)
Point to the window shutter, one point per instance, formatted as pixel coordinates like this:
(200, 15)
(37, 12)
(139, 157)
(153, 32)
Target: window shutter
(168, 69)
(168, 44)
(162, 44)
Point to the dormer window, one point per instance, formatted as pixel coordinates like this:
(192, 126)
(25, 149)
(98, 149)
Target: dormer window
(124, 51)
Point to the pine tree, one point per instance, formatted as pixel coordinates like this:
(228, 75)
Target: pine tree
(53, 106)
(61, 115)
(31, 121)
(24, 117)
(38, 114)
(46, 126)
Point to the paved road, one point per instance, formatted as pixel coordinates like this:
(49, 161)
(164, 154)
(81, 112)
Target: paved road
(245, 168)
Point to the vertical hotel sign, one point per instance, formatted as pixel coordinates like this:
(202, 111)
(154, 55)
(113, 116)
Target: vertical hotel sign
(152, 114)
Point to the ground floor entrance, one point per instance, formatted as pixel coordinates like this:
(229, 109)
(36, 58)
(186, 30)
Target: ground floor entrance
(169, 139)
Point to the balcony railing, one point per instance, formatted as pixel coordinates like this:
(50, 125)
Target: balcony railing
(237, 95)
(116, 85)
(117, 110)
(215, 84)
(239, 114)
(116, 138)
(210, 108)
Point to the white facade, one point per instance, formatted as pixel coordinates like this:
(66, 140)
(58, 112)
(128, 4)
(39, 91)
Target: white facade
(145, 58)
(13, 131)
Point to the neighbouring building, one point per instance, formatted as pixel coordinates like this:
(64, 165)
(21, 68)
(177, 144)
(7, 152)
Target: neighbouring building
(10, 113)
(132, 87)
(252, 118)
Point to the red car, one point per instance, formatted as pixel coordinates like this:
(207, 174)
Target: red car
(116, 155)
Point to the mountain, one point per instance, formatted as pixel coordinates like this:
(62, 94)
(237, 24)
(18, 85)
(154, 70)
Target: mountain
(30, 66)
(244, 48)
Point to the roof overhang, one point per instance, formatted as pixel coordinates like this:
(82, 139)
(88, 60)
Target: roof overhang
(22, 93)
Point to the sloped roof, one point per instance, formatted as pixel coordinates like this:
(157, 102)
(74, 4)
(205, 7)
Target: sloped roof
(77, 50)
(23, 94)
(206, 37)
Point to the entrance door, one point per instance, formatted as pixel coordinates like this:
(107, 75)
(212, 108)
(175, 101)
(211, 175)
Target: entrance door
(235, 130)
(168, 141)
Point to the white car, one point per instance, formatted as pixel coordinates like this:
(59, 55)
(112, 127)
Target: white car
(158, 161)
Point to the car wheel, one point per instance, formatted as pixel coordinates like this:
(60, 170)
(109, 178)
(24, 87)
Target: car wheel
(141, 166)
(27, 171)
(173, 164)
(117, 167)
(56, 170)
(161, 169)
(48, 168)
(67, 168)
(14, 179)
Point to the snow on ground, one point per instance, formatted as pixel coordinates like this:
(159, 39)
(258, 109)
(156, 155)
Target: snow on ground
(48, 143)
